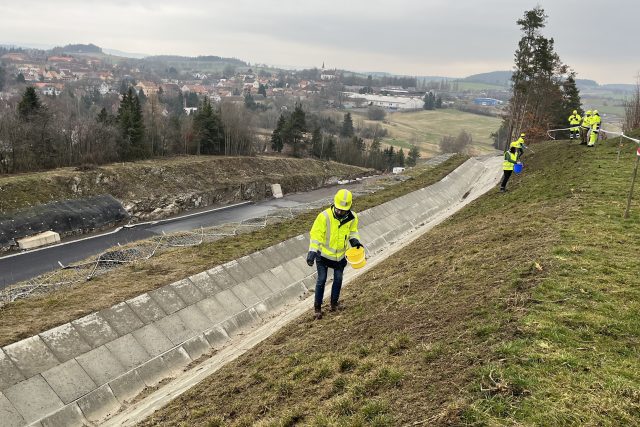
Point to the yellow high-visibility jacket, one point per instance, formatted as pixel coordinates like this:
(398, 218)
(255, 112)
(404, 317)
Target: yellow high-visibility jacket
(586, 122)
(330, 235)
(510, 159)
(595, 122)
(575, 119)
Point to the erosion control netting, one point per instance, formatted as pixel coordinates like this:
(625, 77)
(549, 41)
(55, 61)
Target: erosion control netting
(65, 217)
(145, 249)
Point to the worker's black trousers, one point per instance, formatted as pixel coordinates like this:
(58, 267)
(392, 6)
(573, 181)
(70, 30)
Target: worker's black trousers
(505, 179)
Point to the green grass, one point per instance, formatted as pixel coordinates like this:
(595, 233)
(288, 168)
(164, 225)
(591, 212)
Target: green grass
(522, 309)
(425, 129)
(479, 86)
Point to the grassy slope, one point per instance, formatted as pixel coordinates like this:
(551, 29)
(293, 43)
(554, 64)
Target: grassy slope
(425, 129)
(139, 180)
(521, 309)
(28, 317)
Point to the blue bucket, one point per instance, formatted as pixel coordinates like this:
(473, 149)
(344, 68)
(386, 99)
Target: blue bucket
(517, 168)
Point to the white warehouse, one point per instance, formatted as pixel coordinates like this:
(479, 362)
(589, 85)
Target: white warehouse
(388, 102)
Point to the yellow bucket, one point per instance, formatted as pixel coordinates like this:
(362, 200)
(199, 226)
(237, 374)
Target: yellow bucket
(356, 257)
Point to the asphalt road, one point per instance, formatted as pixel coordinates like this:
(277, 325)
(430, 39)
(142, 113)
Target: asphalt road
(29, 264)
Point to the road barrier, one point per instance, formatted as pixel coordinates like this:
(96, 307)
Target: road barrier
(84, 371)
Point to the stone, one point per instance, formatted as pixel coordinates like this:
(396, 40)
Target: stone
(146, 308)
(69, 381)
(33, 398)
(152, 340)
(167, 299)
(122, 318)
(128, 352)
(95, 330)
(31, 356)
(65, 342)
(99, 404)
(100, 365)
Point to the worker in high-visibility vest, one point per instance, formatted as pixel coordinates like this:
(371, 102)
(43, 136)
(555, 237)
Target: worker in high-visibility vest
(574, 120)
(510, 159)
(595, 128)
(585, 127)
(519, 144)
(332, 232)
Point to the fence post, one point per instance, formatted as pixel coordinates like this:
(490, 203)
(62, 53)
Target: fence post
(633, 181)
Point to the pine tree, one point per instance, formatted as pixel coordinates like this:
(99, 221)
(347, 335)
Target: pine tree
(277, 142)
(347, 126)
(429, 101)
(413, 156)
(20, 78)
(316, 143)
(262, 90)
(208, 130)
(131, 126)
(330, 148)
(400, 158)
(30, 104)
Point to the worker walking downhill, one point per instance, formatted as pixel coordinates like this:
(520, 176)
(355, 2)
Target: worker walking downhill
(585, 127)
(519, 144)
(595, 128)
(510, 159)
(331, 231)
(574, 120)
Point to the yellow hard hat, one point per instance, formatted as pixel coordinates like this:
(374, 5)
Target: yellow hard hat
(595, 111)
(575, 112)
(588, 113)
(342, 200)
(522, 134)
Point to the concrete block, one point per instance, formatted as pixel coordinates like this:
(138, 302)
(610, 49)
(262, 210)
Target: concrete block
(230, 303)
(175, 360)
(65, 342)
(221, 277)
(95, 330)
(99, 404)
(289, 295)
(9, 414)
(262, 261)
(213, 309)
(205, 284)
(217, 337)
(69, 381)
(288, 249)
(175, 329)
(310, 282)
(259, 288)
(196, 347)
(100, 365)
(236, 271)
(69, 416)
(292, 267)
(153, 371)
(188, 291)
(33, 398)
(152, 340)
(146, 308)
(122, 318)
(128, 351)
(272, 282)
(167, 299)
(245, 295)
(301, 264)
(241, 322)
(9, 373)
(276, 190)
(283, 277)
(41, 239)
(194, 319)
(127, 386)
(248, 265)
(31, 356)
(273, 255)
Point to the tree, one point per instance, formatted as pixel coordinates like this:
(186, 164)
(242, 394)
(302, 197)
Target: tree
(3, 74)
(317, 142)
(249, 102)
(262, 90)
(400, 158)
(229, 70)
(208, 130)
(20, 78)
(131, 126)
(438, 102)
(632, 110)
(429, 101)
(376, 113)
(413, 156)
(347, 126)
(459, 144)
(29, 104)
(277, 142)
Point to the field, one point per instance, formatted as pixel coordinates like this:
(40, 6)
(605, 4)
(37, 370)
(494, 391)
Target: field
(425, 129)
(522, 309)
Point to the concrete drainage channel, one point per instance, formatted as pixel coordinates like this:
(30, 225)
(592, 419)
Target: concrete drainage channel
(87, 370)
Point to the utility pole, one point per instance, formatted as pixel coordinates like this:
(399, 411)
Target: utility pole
(633, 181)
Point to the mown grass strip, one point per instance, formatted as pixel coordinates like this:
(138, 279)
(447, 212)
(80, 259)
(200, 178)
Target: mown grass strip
(31, 316)
(522, 309)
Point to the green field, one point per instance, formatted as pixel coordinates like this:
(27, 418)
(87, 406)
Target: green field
(464, 85)
(425, 129)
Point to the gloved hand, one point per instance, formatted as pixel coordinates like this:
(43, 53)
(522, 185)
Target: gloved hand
(355, 243)
(311, 256)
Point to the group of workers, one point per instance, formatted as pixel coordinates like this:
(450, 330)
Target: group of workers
(585, 128)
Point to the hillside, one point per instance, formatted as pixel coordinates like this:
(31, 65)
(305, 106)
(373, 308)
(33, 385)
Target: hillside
(172, 185)
(522, 309)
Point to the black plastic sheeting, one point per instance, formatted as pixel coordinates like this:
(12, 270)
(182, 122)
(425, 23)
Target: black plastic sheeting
(65, 217)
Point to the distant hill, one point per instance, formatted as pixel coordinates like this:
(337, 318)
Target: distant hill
(586, 83)
(208, 58)
(501, 78)
(78, 48)
(123, 54)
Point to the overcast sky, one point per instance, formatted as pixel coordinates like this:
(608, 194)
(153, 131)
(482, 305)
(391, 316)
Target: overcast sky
(600, 40)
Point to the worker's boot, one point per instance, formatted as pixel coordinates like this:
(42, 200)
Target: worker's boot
(335, 307)
(318, 313)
